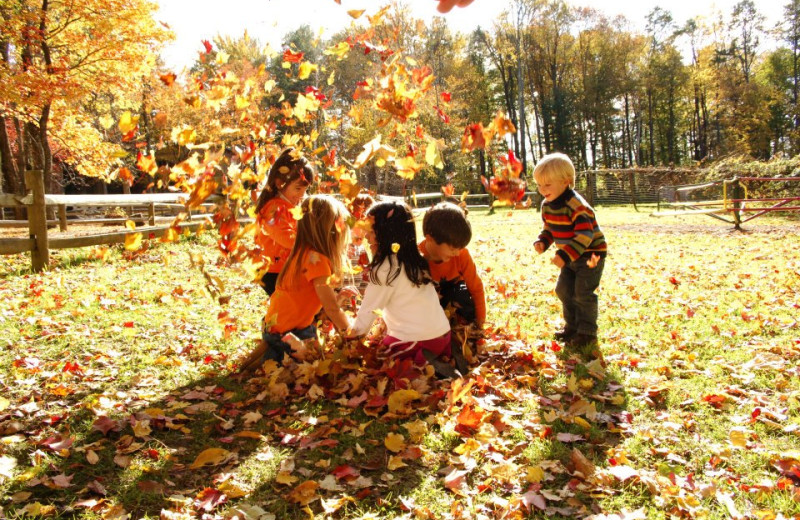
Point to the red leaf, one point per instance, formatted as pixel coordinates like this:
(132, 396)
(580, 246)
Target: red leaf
(446, 97)
(210, 498)
(292, 57)
(57, 442)
(674, 281)
(345, 471)
(104, 425)
(207, 45)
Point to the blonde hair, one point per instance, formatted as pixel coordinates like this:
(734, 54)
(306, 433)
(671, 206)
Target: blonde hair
(323, 229)
(555, 167)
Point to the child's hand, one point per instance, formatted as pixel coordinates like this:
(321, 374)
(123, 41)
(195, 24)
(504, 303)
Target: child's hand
(346, 294)
(539, 246)
(558, 261)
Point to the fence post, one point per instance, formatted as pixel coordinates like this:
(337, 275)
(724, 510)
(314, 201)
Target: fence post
(151, 213)
(37, 220)
(632, 178)
(738, 195)
(62, 217)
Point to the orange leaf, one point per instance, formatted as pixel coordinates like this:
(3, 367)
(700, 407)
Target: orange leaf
(305, 493)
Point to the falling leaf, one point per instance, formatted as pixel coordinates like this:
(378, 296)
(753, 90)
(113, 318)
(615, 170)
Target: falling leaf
(395, 247)
(127, 122)
(133, 241)
(355, 13)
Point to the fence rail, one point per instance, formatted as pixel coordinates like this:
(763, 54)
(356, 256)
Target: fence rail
(36, 203)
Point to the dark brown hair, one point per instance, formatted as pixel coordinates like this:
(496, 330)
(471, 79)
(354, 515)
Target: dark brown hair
(447, 223)
(287, 168)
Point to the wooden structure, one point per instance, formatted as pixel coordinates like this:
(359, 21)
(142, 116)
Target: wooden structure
(37, 202)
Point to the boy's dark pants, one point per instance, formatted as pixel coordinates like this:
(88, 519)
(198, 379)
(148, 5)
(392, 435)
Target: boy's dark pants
(576, 289)
(455, 292)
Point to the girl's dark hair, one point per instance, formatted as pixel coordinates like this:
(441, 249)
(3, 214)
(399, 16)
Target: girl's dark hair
(396, 237)
(287, 168)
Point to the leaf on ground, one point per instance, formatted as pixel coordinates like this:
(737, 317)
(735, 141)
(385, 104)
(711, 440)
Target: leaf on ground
(394, 442)
(399, 399)
(305, 493)
(211, 457)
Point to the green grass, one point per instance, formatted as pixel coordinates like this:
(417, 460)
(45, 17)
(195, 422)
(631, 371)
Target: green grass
(698, 328)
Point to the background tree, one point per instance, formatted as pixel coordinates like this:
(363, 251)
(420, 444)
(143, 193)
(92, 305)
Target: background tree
(54, 55)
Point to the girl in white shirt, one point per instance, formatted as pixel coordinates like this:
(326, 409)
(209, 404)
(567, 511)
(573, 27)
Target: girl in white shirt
(400, 286)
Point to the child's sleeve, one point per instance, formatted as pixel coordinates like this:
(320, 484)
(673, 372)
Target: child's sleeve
(280, 226)
(545, 236)
(474, 285)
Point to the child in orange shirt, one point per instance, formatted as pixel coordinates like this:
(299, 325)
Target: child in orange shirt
(289, 177)
(306, 283)
(447, 234)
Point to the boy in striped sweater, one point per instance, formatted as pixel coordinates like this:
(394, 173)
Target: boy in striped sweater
(570, 223)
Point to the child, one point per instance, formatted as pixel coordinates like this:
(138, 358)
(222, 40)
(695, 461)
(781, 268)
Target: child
(447, 234)
(400, 285)
(356, 252)
(305, 284)
(288, 179)
(570, 222)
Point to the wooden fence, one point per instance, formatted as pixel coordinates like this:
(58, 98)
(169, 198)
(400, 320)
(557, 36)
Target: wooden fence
(37, 202)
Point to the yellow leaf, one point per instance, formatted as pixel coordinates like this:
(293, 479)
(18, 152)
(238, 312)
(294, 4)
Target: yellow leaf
(305, 493)
(395, 442)
(297, 212)
(285, 478)
(241, 102)
(738, 437)
(232, 489)
(92, 458)
(355, 13)
(399, 399)
(395, 247)
(106, 122)
(211, 457)
(580, 421)
(305, 70)
(534, 474)
(128, 122)
(572, 384)
(269, 85)
(433, 156)
(4, 403)
(133, 241)
(470, 445)
(249, 434)
(395, 462)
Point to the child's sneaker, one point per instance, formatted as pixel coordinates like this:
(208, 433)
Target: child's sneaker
(584, 341)
(443, 370)
(564, 334)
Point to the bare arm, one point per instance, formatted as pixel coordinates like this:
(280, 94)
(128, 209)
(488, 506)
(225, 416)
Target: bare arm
(329, 304)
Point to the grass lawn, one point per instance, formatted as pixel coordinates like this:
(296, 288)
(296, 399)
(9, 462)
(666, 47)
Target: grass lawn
(120, 397)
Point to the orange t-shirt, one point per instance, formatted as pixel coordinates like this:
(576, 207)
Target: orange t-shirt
(295, 302)
(276, 232)
(462, 267)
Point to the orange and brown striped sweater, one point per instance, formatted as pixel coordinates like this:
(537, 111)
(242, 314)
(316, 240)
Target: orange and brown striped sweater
(570, 222)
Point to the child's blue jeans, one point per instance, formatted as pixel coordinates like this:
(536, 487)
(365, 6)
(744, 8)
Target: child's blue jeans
(576, 289)
(277, 348)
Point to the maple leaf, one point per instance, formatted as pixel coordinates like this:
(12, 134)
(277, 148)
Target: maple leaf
(394, 442)
(305, 493)
(209, 498)
(292, 57)
(469, 419)
(167, 79)
(399, 399)
(532, 498)
(473, 138)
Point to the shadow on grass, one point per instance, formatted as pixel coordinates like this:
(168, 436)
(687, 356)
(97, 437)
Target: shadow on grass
(148, 453)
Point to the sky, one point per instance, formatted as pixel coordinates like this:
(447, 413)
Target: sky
(268, 20)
